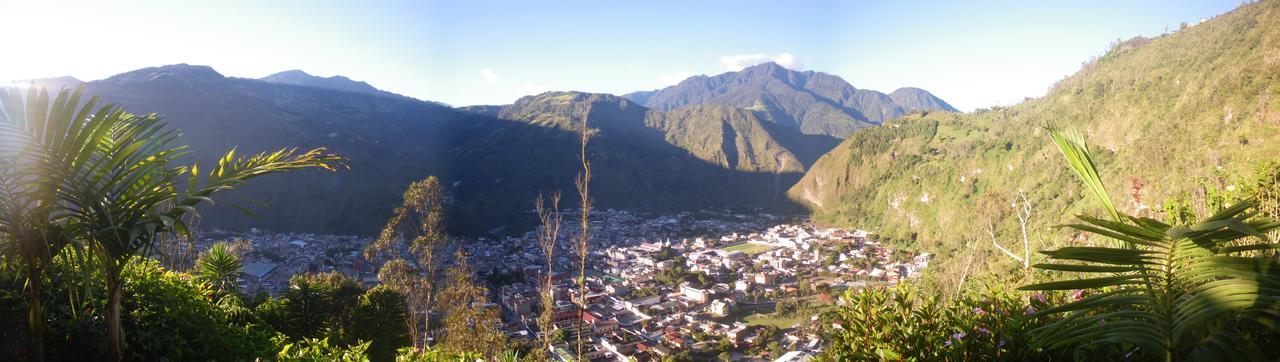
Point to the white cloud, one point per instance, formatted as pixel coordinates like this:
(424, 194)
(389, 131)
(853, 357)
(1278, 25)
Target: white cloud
(737, 62)
(489, 75)
(676, 77)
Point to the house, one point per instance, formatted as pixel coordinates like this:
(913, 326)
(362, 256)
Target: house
(719, 308)
(763, 278)
(693, 294)
(259, 270)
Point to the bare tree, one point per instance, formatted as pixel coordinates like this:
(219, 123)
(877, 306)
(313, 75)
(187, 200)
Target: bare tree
(416, 227)
(964, 276)
(584, 236)
(547, 237)
(1023, 212)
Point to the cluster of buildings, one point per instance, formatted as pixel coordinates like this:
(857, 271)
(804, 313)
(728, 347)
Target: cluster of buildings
(657, 285)
(270, 259)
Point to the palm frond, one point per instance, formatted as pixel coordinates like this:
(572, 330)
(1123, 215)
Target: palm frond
(1077, 153)
(1170, 289)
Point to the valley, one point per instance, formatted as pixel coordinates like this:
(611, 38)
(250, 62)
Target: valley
(594, 196)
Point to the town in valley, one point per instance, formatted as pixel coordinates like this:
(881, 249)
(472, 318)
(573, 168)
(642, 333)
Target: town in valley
(748, 285)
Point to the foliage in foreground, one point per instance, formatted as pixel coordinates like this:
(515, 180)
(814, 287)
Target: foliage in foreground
(179, 316)
(103, 183)
(897, 323)
(1203, 290)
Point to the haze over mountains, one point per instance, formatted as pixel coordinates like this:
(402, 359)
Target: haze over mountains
(692, 149)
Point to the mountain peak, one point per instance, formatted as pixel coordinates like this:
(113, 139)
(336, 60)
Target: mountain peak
(339, 83)
(173, 72)
(771, 69)
(766, 65)
(912, 99)
(292, 73)
(574, 97)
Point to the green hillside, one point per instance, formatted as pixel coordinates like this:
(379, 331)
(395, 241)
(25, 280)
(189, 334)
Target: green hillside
(1164, 114)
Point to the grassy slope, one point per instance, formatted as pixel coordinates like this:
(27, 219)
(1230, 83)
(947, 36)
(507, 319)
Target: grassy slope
(1170, 112)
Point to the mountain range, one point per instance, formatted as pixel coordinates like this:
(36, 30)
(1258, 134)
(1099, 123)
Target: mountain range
(495, 159)
(814, 102)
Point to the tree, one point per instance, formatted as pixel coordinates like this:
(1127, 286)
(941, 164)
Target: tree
(416, 227)
(1023, 213)
(548, 235)
(381, 318)
(220, 267)
(38, 135)
(832, 260)
(314, 305)
(128, 195)
(115, 185)
(775, 349)
(584, 235)
(1190, 291)
(469, 325)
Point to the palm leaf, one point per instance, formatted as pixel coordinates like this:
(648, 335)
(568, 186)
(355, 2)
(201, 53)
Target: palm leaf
(1173, 290)
(1076, 151)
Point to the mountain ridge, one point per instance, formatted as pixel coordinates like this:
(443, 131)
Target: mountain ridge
(814, 102)
(495, 166)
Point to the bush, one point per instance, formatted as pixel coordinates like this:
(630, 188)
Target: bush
(169, 316)
(897, 324)
(381, 318)
(319, 350)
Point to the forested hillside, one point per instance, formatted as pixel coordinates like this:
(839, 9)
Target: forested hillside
(1166, 116)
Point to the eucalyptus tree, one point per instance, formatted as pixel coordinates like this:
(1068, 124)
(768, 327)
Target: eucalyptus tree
(416, 227)
(1170, 292)
(470, 325)
(548, 235)
(125, 190)
(583, 245)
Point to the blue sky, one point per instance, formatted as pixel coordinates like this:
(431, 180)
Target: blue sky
(972, 54)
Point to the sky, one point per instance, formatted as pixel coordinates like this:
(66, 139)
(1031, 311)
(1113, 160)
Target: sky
(973, 54)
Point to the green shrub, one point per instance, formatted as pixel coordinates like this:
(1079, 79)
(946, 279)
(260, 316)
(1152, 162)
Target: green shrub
(320, 350)
(170, 316)
(896, 323)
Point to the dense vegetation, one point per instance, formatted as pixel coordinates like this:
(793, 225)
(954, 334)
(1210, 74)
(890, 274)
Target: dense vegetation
(1200, 287)
(1181, 114)
(90, 201)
